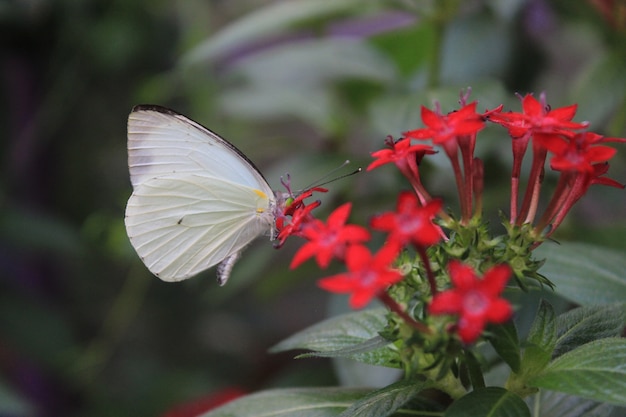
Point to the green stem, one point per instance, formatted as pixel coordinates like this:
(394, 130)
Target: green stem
(448, 384)
(396, 308)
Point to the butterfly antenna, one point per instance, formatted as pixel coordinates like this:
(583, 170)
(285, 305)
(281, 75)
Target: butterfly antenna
(324, 179)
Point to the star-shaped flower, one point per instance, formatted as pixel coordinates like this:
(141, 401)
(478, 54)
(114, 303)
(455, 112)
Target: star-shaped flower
(367, 274)
(399, 153)
(475, 301)
(537, 117)
(443, 128)
(578, 153)
(411, 222)
(329, 240)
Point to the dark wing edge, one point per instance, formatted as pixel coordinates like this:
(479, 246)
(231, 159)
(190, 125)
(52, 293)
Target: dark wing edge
(203, 129)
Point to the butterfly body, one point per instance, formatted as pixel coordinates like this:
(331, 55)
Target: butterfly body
(197, 201)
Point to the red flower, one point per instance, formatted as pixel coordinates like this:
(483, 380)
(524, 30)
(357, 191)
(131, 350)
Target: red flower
(411, 222)
(293, 204)
(328, 240)
(538, 117)
(578, 153)
(400, 153)
(476, 301)
(441, 129)
(299, 212)
(299, 218)
(455, 132)
(407, 158)
(597, 176)
(367, 275)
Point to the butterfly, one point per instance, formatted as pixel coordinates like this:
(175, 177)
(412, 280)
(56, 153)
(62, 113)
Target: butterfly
(197, 200)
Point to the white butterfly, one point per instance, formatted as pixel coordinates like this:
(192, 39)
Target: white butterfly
(197, 200)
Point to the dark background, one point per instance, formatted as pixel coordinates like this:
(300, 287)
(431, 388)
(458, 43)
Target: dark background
(84, 328)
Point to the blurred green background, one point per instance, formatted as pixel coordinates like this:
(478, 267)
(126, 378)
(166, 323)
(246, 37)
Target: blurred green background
(299, 86)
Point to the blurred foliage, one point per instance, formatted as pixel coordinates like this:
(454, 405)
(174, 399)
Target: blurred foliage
(299, 86)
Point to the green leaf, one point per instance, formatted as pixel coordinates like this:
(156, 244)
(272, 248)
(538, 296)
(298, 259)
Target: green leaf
(353, 335)
(385, 401)
(313, 62)
(266, 21)
(474, 370)
(489, 402)
(459, 63)
(596, 371)
(259, 103)
(368, 345)
(337, 332)
(586, 324)
(585, 274)
(541, 340)
(301, 402)
(556, 404)
(505, 341)
(600, 89)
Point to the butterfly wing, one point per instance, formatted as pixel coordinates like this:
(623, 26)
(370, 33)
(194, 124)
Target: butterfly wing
(183, 224)
(197, 200)
(162, 142)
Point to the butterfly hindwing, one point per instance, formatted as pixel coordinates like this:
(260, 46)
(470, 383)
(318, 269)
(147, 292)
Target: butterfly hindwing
(183, 224)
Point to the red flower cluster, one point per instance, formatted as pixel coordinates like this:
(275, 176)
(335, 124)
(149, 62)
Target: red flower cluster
(296, 214)
(580, 157)
(453, 132)
(368, 274)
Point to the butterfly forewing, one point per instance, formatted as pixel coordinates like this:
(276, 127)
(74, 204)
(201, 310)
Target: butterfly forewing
(162, 142)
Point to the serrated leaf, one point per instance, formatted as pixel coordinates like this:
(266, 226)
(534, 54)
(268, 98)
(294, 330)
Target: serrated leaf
(505, 341)
(301, 402)
(541, 340)
(385, 401)
(596, 371)
(369, 345)
(337, 332)
(348, 335)
(489, 402)
(265, 21)
(585, 274)
(586, 324)
(556, 404)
